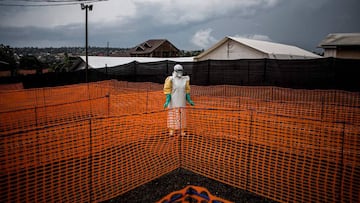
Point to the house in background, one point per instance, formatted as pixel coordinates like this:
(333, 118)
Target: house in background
(341, 45)
(155, 48)
(5, 69)
(231, 48)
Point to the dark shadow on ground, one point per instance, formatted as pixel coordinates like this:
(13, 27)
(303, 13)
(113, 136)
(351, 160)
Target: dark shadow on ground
(179, 179)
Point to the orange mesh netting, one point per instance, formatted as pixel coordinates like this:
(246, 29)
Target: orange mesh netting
(14, 86)
(93, 142)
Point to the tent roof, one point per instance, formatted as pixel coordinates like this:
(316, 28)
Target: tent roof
(341, 39)
(270, 48)
(102, 61)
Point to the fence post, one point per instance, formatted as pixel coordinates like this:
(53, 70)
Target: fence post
(167, 67)
(248, 151)
(108, 96)
(180, 135)
(106, 72)
(36, 117)
(265, 64)
(239, 105)
(135, 71)
(208, 73)
(248, 66)
(322, 107)
(147, 100)
(90, 163)
(43, 90)
(341, 179)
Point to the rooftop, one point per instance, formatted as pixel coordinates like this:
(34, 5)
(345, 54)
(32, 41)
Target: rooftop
(341, 39)
(274, 48)
(270, 48)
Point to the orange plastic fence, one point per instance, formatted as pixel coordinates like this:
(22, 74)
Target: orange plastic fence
(9, 87)
(93, 142)
(282, 158)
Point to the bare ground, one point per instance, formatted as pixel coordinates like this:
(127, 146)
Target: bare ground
(179, 179)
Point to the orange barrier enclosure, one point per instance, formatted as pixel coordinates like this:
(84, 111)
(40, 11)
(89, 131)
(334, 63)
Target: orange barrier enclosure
(93, 142)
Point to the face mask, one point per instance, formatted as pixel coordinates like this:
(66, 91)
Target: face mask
(178, 74)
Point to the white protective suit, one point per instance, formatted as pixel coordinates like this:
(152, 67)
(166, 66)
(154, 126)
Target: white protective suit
(178, 86)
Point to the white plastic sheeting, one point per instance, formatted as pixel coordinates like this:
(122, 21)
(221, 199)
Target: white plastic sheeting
(106, 61)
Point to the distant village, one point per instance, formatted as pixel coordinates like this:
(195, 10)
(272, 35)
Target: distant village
(32, 60)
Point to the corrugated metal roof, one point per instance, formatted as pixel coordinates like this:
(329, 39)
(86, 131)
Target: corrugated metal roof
(341, 39)
(149, 46)
(272, 48)
(102, 61)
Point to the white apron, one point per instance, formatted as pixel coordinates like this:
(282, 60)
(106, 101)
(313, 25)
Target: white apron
(177, 111)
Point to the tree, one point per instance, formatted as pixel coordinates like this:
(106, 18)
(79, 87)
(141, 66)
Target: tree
(7, 59)
(30, 62)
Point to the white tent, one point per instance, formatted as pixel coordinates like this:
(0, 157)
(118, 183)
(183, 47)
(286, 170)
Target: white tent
(106, 61)
(231, 48)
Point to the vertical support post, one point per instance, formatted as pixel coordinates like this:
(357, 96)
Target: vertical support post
(167, 67)
(36, 106)
(208, 72)
(147, 100)
(36, 117)
(248, 67)
(135, 71)
(86, 8)
(341, 179)
(180, 135)
(90, 163)
(45, 114)
(322, 108)
(108, 98)
(106, 71)
(249, 150)
(86, 44)
(265, 64)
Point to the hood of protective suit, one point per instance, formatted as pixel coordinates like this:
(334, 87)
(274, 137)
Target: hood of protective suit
(178, 70)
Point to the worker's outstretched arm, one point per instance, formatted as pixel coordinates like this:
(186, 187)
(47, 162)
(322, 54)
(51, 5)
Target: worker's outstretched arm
(167, 91)
(167, 101)
(187, 89)
(188, 99)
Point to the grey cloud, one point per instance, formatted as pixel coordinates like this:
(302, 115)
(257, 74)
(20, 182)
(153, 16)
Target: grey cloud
(306, 22)
(34, 36)
(303, 23)
(189, 11)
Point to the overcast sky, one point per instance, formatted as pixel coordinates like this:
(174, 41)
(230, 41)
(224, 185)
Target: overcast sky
(188, 24)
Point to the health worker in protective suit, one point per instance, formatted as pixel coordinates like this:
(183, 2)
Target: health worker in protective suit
(177, 91)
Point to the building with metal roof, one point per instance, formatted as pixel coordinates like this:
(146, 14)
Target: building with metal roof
(155, 48)
(341, 45)
(231, 48)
